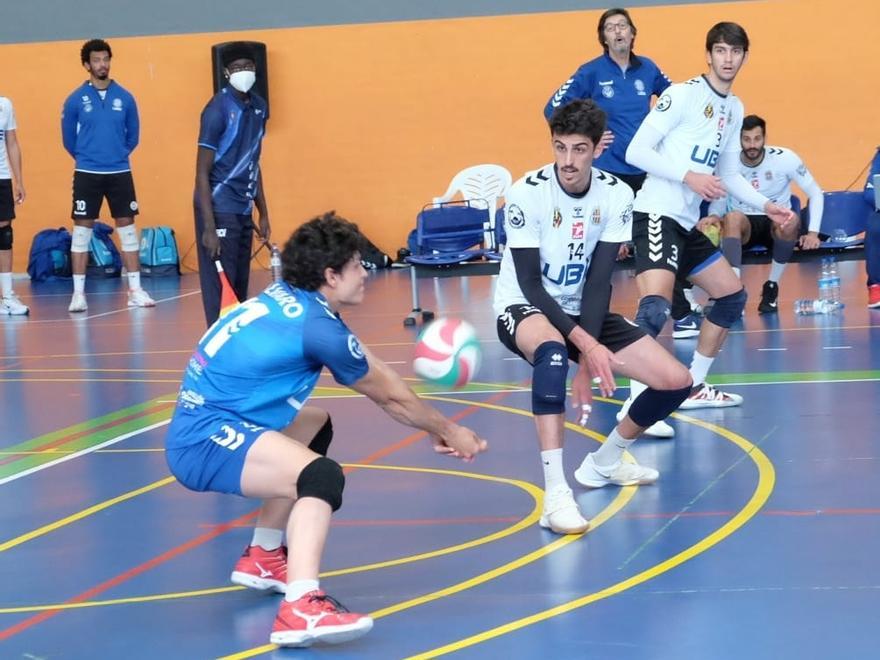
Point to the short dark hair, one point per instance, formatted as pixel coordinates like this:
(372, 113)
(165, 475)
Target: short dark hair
(93, 46)
(608, 13)
(579, 117)
(327, 241)
(732, 34)
(753, 121)
(237, 50)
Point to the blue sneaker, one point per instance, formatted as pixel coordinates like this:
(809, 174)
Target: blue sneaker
(687, 327)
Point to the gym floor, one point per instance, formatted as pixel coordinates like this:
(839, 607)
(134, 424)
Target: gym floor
(760, 540)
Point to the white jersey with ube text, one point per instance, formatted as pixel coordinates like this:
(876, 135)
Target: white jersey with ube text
(698, 125)
(565, 229)
(7, 123)
(772, 178)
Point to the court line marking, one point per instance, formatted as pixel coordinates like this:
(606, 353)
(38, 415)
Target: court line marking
(763, 489)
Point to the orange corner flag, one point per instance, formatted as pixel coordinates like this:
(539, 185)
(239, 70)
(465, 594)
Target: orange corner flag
(228, 299)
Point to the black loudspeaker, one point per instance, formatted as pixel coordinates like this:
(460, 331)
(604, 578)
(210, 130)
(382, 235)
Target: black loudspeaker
(261, 86)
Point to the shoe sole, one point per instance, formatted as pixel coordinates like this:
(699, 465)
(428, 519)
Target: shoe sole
(543, 522)
(709, 404)
(586, 483)
(768, 310)
(876, 305)
(253, 582)
(131, 304)
(685, 334)
(327, 635)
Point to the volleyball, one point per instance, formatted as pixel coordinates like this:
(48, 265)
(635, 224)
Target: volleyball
(447, 353)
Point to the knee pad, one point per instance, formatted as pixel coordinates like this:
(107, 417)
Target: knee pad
(549, 373)
(128, 238)
(653, 405)
(652, 314)
(6, 237)
(322, 479)
(321, 442)
(727, 310)
(79, 241)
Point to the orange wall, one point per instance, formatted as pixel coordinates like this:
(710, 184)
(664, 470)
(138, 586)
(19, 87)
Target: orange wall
(373, 120)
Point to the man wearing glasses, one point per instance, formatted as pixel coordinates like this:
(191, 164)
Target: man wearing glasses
(228, 179)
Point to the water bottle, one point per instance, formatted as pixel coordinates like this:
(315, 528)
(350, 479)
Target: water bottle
(824, 280)
(834, 283)
(805, 307)
(275, 262)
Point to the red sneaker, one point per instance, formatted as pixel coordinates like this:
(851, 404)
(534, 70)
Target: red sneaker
(874, 296)
(316, 617)
(261, 569)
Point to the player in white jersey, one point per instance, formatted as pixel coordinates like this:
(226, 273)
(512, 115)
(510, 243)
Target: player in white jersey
(770, 170)
(11, 193)
(565, 223)
(688, 137)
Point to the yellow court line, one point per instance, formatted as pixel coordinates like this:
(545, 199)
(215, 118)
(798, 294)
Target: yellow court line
(51, 527)
(763, 489)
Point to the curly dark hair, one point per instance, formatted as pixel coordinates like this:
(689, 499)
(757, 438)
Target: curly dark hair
(93, 46)
(732, 34)
(327, 241)
(578, 117)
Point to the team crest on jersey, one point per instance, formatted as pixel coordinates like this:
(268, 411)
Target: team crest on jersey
(640, 87)
(663, 103)
(577, 230)
(709, 111)
(607, 91)
(117, 105)
(354, 347)
(577, 212)
(515, 217)
(596, 218)
(802, 169)
(557, 217)
(768, 175)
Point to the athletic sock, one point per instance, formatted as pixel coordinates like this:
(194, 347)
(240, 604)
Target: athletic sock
(79, 283)
(612, 449)
(554, 475)
(700, 366)
(268, 538)
(134, 280)
(6, 284)
(299, 588)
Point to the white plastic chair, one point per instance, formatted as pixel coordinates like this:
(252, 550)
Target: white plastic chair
(487, 182)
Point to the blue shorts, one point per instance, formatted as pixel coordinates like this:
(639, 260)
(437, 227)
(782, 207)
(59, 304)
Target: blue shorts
(208, 452)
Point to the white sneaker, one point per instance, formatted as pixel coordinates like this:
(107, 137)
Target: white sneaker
(658, 429)
(708, 397)
(561, 513)
(140, 298)
(620, 474)
(13, 306)
(78, 303)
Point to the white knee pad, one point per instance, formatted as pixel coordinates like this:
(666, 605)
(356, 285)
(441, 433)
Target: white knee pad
(79, 241)
(128, 238)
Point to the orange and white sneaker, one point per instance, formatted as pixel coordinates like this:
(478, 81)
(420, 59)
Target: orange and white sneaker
(706, 396)
(316, 617)
(261, 569)
(874, 296)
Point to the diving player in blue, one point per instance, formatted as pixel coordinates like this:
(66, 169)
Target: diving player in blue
(242, 425)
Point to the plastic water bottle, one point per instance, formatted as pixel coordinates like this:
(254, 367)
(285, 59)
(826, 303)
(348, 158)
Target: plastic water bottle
(805, 307)
(834, 283)
(275, 262)
(824, 280)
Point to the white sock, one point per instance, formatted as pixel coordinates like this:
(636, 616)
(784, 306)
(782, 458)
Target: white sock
(612, 449)
(299, 588)
(79, 283)
(6, 284)
(737, 271)
(554, 475)
(776, 270)
(134, 280)
(267, 538)
(700, 366)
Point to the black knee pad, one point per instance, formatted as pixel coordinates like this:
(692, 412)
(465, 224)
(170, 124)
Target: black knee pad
(322, 479)
(727, 310)
(653, 405)
(652, 314)
(6, 237)
(321, 442)
(549, 374)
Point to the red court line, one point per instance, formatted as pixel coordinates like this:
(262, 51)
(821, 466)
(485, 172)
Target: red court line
(207, 536)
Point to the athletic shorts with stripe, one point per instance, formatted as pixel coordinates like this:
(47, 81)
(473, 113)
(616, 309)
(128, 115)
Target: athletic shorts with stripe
(660, 242)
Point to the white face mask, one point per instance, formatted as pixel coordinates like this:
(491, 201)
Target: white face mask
(242, 80)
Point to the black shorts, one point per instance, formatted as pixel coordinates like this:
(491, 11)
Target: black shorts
(617, 332)
(89, 191)
(661, 242)
(7, 200)
(761, 232)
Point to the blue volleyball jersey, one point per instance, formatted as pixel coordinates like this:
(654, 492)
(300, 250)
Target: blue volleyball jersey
(260, 363)
(233, 128)
(625, 96)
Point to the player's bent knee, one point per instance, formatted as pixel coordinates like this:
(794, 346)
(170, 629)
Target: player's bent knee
(6, 237)
(652, 314)
(79, 238)
(653, 405)
(321, 442)
(728, 309)
(128, 238)
(549, 373)
(322, 479)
